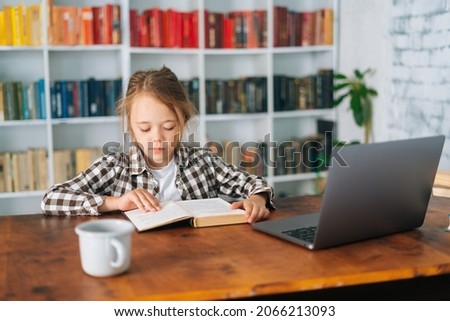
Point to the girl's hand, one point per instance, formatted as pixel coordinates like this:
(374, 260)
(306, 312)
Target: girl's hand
(254, 206)
(138, 198)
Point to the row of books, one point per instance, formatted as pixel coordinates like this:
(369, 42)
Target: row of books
(23, 170)
(21, 101)
(301, 155)
(311, 153)
(27, 170)
(243, 95)
(68, 98)
(84, 98)
(170, 28)
(292, 28)
(295, 156)
(192, 89)
(21, 25)
(67, 163)
(93, 97)
(299, 93)
(250, 156)
(72, 25)
(236, 29)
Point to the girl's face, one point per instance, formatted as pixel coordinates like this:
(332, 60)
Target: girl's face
(155, 129)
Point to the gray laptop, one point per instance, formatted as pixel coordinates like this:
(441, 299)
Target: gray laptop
(372, 190)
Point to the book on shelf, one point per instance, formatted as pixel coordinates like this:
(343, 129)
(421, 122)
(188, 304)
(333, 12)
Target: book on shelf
(200, 213)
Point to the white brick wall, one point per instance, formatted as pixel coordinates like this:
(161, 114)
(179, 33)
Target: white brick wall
(408, 43)
(420, 79)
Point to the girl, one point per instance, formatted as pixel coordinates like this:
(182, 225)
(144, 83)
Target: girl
(157, 167)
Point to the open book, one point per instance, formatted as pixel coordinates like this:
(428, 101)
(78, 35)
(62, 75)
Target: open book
(201, 212)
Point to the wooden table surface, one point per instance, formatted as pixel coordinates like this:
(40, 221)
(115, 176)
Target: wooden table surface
(39, 259)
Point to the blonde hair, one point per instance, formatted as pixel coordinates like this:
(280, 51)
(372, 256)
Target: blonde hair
(162, 85)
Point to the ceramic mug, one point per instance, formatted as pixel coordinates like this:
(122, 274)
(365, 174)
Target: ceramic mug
(105, 246)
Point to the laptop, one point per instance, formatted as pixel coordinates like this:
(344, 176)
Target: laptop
(372, 190)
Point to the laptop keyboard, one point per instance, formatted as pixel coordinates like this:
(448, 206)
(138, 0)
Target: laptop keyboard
(304, 233)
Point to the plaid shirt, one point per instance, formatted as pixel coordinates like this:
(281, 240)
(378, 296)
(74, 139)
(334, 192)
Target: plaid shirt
(200, 174)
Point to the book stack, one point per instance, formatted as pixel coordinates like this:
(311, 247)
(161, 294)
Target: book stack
(441, 185)
(159, 28)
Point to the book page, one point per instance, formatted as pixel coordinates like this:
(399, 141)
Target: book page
(209, 207)
(171, 212)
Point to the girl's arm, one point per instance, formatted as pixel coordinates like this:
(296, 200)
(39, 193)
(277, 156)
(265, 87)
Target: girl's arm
(83, 194)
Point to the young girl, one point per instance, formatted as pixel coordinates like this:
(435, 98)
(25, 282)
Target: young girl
(157, 167)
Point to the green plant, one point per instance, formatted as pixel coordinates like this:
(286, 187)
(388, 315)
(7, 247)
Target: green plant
(360, 96)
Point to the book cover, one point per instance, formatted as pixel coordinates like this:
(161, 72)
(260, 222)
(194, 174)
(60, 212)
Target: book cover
(87, 26)
(143, 29)
(40, 89)
(107, 25)
(134, 27)
(2, 102)
(40, 159)
(34, 25)
(200, 212)
(116, 25)
(2, 173)
(8, 25)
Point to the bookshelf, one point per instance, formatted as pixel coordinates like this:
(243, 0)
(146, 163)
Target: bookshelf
(54, 62)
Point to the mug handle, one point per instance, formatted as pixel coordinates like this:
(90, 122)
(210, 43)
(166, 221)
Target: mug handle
(120, 250)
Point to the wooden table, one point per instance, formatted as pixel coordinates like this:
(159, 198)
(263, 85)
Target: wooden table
(39, 260)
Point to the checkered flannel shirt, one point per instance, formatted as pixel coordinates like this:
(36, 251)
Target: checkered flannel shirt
(200, 174)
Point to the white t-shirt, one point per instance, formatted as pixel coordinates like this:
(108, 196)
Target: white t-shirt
(166, 178)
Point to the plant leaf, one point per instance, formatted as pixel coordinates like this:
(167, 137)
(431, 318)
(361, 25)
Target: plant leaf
(358, 74)
(341, 86)
(355, 104)
(339, 99)
(372, 92)
(340, 76)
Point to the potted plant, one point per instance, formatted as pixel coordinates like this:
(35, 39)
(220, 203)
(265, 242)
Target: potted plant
(360, 96)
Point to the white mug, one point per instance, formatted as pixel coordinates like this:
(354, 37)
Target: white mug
(105, 246)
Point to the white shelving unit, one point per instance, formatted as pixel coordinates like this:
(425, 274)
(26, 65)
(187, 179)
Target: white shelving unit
(28, 64)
